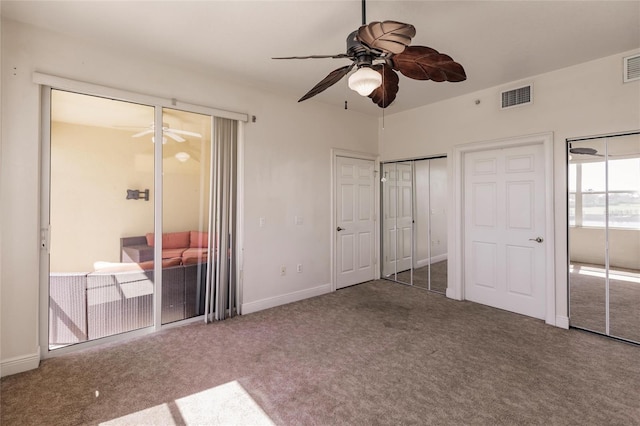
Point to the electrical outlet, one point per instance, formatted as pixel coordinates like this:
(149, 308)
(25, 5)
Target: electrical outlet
(261, 222)
(283, 270)
(299, 268)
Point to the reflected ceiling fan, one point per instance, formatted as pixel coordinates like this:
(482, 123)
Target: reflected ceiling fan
(585, 151)
(174, 134)
(379, 49)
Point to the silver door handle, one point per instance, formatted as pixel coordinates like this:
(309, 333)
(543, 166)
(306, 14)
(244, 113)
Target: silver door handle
(537, 239)
(339, 229)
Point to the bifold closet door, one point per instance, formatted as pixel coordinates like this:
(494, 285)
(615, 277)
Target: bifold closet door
(604, 235)
(414, 222)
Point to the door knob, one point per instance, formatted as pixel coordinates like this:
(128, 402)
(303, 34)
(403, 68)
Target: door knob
(537, 239)
(339, 229)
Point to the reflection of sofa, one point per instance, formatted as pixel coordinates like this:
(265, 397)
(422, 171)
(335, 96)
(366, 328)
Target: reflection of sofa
(190, 246)
(119, 297)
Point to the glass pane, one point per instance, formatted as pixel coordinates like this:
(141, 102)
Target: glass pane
(587, 278)
(594, 209)
(438, 224)
(100, 195)
(389, 213)
(186, 200)
(624, 244)
(404, 222)
(421, 234)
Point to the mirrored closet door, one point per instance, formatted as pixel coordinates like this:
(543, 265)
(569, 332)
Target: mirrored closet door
(604, 235)
(414, 224)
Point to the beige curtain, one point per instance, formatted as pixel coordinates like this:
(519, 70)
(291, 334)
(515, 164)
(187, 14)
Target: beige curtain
(221, 281)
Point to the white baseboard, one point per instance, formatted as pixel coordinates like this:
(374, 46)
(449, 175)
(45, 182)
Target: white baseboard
(562, 322)
(428, 261)
(19, 364)
(451, 294)
(283, 299)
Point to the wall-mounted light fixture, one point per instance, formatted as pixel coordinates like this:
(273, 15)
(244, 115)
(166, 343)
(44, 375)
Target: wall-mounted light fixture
(135, 194)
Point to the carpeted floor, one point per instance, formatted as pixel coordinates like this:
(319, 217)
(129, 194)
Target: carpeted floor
(588, 300)
(372, 354)
(420, 277)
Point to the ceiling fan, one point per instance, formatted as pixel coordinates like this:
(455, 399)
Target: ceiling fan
(167, 131)
(378, 50)
(585, 151)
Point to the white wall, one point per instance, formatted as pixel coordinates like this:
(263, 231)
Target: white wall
(286, 163)
(582, 100)
(587, 245)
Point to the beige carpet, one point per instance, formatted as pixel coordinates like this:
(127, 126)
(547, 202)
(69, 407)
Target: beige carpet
(420, 277)
(373, 354)
(588, 300)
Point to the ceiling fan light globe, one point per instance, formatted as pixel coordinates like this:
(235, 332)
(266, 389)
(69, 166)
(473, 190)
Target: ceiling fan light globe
(364, 81)
(182, 156)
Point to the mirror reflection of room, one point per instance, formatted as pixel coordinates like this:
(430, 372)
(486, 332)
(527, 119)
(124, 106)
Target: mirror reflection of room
(414, 221)
(604, 235)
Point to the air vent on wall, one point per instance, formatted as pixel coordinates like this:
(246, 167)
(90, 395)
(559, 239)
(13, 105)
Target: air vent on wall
(631, 68)
(516, 97)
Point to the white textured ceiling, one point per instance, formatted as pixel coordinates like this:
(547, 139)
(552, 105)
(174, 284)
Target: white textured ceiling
(496, 41)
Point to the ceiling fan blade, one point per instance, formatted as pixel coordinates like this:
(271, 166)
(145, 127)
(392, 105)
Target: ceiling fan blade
(333, 77)
(425, 63)
(386, 93)
(339, 55)
(142, 133)
(172, 135)
(185, 132)
(387, 36)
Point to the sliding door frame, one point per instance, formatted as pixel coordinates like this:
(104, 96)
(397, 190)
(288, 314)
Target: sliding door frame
(47, 84)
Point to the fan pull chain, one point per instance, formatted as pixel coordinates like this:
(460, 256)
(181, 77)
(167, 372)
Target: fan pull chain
(384, 93)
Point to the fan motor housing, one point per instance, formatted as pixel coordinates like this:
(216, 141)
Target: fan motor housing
(361, 54)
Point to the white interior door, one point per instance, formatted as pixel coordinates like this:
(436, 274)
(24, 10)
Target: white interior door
(405, 216)
(397, 210)
(504, 205)
(390, 216)
(355, 232)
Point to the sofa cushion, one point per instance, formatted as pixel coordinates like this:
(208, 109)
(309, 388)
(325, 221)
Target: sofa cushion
(193, 260)
(194, 255)
(173, 252)
(198, 239)
(111, 267)
(166, 263)
(171, 240)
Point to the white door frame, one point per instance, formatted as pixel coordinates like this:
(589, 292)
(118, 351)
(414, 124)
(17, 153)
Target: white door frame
(335, 153)
(455, 288)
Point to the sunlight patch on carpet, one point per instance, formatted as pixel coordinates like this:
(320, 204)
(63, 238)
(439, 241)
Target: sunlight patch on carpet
(227, 404)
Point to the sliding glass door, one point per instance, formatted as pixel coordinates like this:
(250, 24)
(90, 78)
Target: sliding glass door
(604, 235)
(95, 165)
(137, 207)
